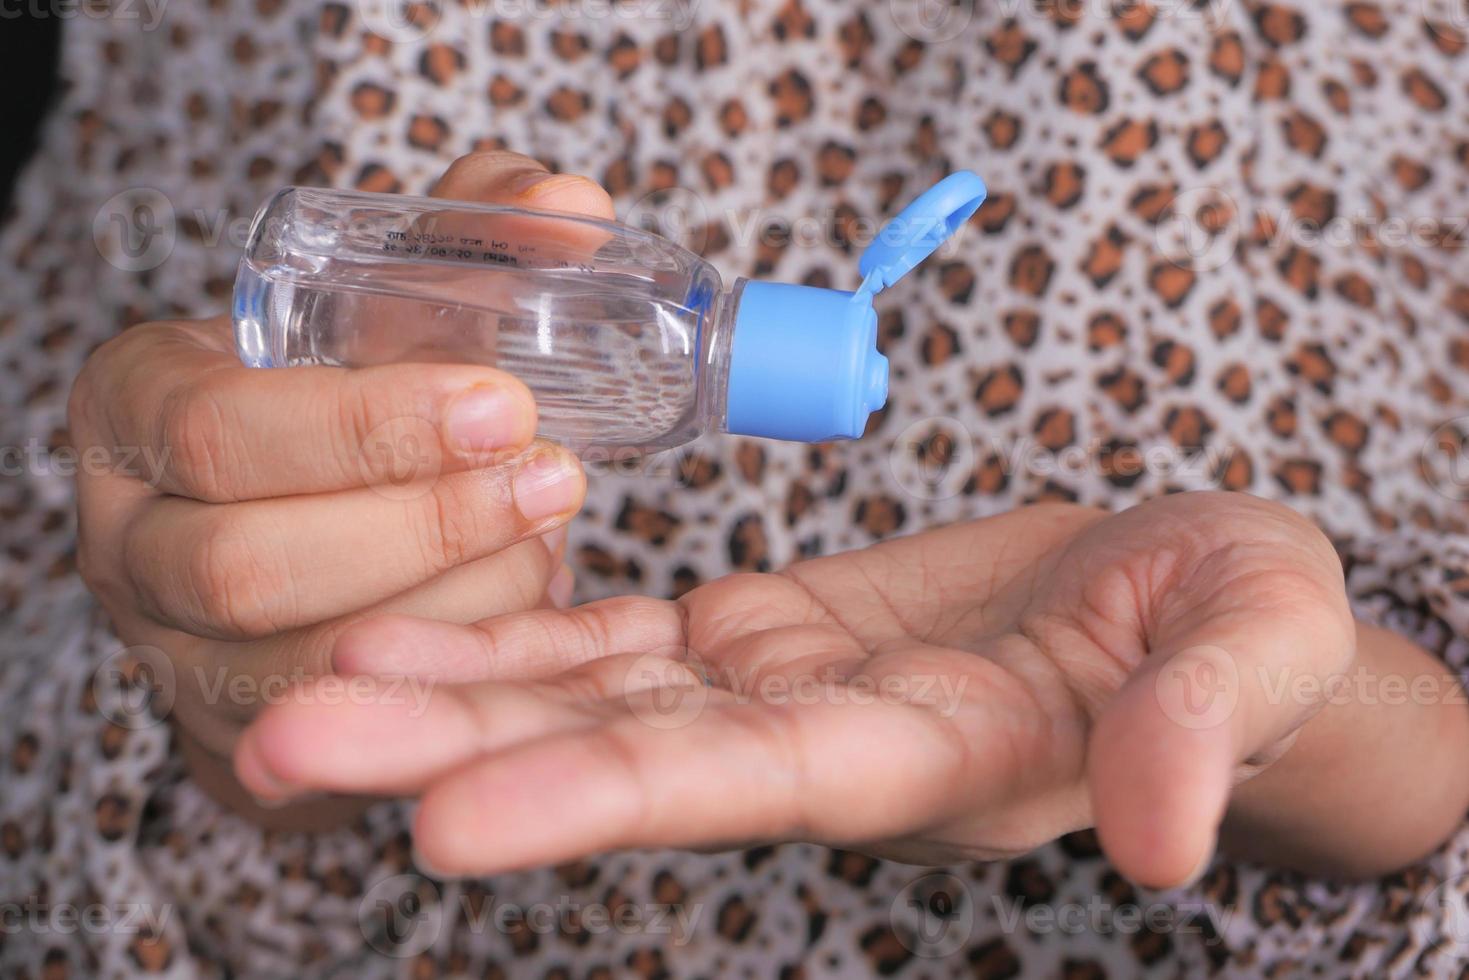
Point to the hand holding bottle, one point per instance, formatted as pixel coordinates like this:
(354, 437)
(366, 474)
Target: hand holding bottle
(288, 504)
(627, 340)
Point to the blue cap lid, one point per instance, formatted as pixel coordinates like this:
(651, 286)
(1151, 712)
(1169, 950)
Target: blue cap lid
(804, 363)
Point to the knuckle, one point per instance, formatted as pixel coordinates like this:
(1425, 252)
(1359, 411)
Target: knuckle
(352, 420)
(231, 588)
(298, 654)
(449, 526)
(87, 409)
(195, 438)
(594, 627)
(106, 371)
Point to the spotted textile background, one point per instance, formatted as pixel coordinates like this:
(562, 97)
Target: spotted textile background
(1224, 247)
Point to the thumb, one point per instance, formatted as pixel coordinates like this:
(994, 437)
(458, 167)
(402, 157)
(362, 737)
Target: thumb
(513, 179)
(1161, 764)
(502, 177)
(1167, 749)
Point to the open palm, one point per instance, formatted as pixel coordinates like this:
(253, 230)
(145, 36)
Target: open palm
(969, 692)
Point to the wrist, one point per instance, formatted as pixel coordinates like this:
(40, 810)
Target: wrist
(1376, 780)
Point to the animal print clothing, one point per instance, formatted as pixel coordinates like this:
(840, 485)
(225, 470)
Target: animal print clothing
(1224, 248)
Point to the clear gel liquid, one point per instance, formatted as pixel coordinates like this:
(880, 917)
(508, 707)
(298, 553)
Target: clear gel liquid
(612, 329)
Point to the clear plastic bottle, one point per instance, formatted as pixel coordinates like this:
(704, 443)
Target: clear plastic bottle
(626, 339)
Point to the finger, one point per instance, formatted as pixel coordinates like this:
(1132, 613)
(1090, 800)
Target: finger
(520, 646)
(216, 431)
(502, 177)
(312, 742)
(542, 642)
(508, 582)
(608, 708)
(1166, 750)
(234, 573)
(783, 773)
(419, 731)
(221, 685)
(542, 240)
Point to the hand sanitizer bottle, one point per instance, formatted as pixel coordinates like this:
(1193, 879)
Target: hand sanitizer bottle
(626, 340)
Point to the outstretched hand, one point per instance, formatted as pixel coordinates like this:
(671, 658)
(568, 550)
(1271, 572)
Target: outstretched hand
(968, 692)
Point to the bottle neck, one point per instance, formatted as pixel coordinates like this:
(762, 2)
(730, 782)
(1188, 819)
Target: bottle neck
(716, 346)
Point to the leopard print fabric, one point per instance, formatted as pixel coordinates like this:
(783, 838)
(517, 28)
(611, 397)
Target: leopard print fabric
(1140, 307)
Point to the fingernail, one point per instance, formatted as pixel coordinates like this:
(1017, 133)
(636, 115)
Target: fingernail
(548, 483)
(486, 417)
(560, 588)
(555, 541)
(524, 184)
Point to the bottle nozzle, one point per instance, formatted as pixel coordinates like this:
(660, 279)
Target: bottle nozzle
(804, 362)
(877, 383)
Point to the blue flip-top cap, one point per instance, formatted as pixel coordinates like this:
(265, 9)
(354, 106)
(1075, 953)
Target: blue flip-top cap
(804, 363)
